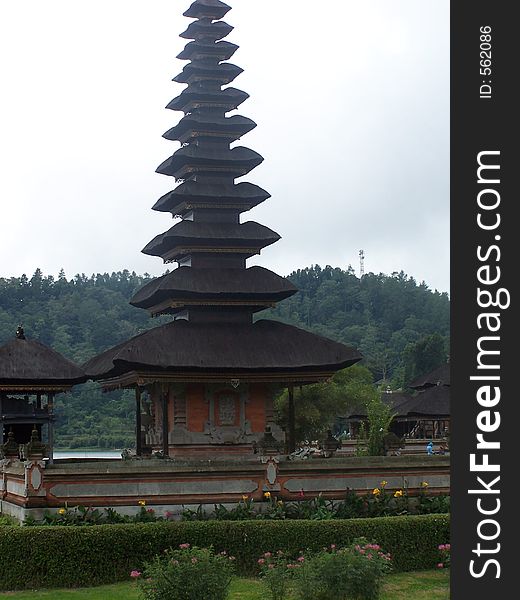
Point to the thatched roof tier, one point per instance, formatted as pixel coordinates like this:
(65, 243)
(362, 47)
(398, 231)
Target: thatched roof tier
(211, 160)
(192, 194)
(199, 50)
(433, 402)
(30, 364)
(207, 125)
(185, 284)
(224, 73)
(189, 347)
(212, 9)
(192, 236)
(196, 96)
(439, 376)
(205, 29)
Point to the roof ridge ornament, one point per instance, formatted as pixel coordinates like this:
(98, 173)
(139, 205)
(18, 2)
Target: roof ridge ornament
(20, 333)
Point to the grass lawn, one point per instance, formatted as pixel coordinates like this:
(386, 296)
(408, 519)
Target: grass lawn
(422, 585)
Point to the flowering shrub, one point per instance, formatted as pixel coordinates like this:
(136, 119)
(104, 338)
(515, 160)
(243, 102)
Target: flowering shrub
(186, 573)
(276, 572)
(353, 573)
(445, 552)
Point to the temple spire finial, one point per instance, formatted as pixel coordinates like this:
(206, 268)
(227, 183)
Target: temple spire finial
(20, 334)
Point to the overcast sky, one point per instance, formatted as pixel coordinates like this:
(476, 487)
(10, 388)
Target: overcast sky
(351, 100)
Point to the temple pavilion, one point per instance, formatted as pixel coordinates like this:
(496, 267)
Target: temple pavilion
(205, 382)
(422, 414)
(31, 374)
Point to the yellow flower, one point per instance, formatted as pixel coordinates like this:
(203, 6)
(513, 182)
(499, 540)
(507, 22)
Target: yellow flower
(245, 498)
(425, 484)
(62, 511)
(267, 495)
(376, 491)
(383, 483)
(398, 494)
(280, 502)
(142, 503)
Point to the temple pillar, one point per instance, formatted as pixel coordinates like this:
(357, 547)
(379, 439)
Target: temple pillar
(50, 411)
(138, 435)
(291, 428)
(164, 399)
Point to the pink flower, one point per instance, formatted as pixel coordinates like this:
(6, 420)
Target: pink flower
(261, 561)
(333, 546)
(270, 565)
(301, 558)
(135, 574)
(301, 494)
(267, 555)
(440, 566)
(184, 546)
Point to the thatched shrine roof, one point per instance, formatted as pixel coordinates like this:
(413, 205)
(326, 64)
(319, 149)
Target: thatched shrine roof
(255, 284)
(31, 363)
(205, 29)
(203, 125)
(433, 402)
(200, 51)
(243, 196)
(223, 72)
(214, 9)
(189, 347)
(249, 236)
(439, 376)
(195, 95)
(194, 159)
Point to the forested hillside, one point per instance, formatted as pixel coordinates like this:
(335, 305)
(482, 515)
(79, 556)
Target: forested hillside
(400, 326)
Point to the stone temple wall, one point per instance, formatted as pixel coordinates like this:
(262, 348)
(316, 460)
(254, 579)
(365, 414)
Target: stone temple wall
(29, 488)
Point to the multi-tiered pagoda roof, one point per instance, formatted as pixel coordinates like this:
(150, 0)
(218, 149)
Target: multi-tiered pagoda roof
(212, 295)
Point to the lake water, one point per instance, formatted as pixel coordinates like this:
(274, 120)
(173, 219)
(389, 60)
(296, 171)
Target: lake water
(86, 454)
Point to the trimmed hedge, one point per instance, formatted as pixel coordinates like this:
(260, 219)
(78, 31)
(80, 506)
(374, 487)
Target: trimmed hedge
(50, 557)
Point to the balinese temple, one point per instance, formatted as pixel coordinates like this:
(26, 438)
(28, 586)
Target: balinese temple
(31, 374)
(423, 414)
(205, 382)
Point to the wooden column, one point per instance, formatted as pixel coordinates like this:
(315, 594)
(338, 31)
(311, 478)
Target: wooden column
(164, 393)
(138, 435)
(1, 421)
(291, 428)
(50, 411)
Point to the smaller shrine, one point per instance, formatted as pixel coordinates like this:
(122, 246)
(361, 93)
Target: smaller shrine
(423, 414)
(31, 374)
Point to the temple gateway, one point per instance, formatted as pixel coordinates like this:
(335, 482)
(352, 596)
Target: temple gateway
(205, 382)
